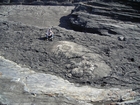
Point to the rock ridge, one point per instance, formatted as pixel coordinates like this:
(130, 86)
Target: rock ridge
(103, 18)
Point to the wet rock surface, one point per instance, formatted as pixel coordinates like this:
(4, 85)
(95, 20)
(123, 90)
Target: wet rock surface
(77, 57)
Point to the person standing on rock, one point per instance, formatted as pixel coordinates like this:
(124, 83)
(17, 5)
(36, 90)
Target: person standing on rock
(49, 34)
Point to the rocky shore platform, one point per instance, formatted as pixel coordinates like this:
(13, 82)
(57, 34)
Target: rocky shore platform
(94, 58)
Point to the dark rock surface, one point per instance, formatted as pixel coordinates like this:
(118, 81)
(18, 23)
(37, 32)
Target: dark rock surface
(24, 45)
(59, 2)
(22, 41)
(105, 18)
(41, 2)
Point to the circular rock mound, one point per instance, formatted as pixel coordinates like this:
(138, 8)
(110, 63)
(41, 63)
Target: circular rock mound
(82, 63)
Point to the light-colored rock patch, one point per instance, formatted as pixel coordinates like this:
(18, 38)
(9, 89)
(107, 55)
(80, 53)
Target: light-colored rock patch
(40, 83)
(82, 60)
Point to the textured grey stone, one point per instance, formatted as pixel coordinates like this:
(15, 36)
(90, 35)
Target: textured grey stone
(121, 38)
(39, 83)
(22, 41)
(102, 19)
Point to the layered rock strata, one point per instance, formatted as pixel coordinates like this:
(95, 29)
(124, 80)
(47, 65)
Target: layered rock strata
(105, 18)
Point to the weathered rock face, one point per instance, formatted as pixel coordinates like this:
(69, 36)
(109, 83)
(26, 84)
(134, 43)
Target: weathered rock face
(36, 85)
(105, 18)
(22, 40)
(83, 64)
(41, 2)
(31, 15)
(59, 2)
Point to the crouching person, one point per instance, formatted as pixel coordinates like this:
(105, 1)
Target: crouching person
(49, 34)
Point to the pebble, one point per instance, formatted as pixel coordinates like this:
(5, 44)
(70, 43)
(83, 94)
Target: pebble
(121, 38)
(69, 75)
(77, 72)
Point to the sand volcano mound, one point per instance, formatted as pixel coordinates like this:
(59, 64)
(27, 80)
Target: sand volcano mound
(82, 63)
